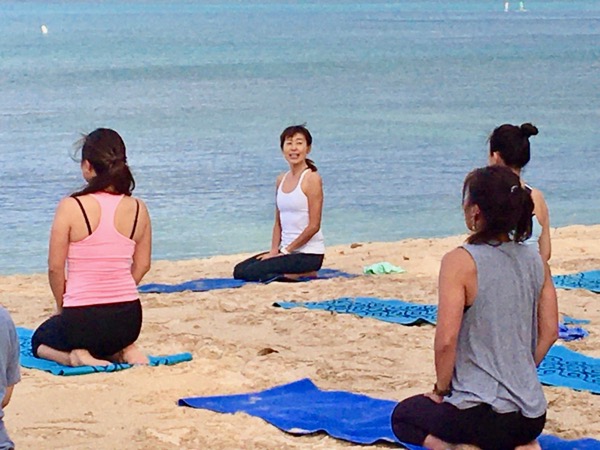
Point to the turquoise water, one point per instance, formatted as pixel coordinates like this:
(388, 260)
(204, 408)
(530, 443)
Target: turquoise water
(400, 98)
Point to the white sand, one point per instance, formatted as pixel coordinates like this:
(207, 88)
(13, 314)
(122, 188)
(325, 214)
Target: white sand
(227, 330)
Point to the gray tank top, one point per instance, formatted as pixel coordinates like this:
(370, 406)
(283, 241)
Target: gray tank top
(498, 335)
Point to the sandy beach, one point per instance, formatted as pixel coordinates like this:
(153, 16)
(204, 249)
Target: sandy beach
(227, 331)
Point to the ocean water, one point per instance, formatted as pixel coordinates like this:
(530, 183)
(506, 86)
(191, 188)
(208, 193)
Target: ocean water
(399, 96)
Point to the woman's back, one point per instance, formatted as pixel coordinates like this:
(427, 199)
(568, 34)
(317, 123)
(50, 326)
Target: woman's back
(101, 249)
(498, 335)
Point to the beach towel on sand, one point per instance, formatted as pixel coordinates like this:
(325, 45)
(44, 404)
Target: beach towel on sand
(31, 362)
(564, 367)
(582, 280)
(302, 408)
(209, 284)
(406, 313)
(394, 311)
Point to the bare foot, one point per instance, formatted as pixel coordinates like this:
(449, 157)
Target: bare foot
(133, 355)
(81, 357)
(434, 443)
(534, 445)
(295, 276)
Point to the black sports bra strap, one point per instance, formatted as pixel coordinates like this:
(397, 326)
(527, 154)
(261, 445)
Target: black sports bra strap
(87, 222)
(135, 221)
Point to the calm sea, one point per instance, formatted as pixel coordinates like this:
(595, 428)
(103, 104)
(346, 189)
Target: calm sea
(400, 97)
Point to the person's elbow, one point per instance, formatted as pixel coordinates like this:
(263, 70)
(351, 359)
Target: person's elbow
(313, 228)
(55, 270)
(143, 267)
(444, 344)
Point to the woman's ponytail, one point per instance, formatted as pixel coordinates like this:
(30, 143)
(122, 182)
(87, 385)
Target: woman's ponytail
(523, 212)
(105, 151)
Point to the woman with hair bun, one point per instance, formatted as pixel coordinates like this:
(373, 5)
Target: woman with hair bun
(497, 318)
(102, 236)
(509, 146)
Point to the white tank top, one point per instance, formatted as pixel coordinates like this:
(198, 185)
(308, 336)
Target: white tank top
(293, 214)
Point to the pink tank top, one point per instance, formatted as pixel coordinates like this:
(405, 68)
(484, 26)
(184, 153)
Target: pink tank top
(99, 266)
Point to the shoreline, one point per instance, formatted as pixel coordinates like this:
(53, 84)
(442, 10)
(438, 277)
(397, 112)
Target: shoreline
(228, 330)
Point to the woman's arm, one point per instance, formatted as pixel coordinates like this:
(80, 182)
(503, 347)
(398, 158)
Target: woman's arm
(142, 256)
(276, 235)
(7, 396)
(547, 317)
(457, 266)
(58, 250)
(543, 217)
(312, 187)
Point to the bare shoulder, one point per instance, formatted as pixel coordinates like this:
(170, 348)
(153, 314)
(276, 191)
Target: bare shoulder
(540, 208)
(138, 201)
(66, 205)
(537, 196)
(280, 178)
(313, 179)
(458, 261)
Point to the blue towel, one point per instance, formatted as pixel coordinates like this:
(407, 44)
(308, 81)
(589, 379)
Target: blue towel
(302, 408)
(209, 284)
(31, 362)
(395, 311)
(571, 333)
(564, 367)
(582, 280)
(404, 313)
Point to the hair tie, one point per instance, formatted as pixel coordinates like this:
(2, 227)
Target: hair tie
(514, 188)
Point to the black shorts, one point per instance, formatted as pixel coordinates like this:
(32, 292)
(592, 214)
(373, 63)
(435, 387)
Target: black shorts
(103, 330)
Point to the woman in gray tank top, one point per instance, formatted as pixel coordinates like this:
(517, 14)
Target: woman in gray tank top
(497, 318)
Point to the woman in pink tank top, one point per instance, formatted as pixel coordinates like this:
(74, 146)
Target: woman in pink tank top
(297, 246)
(100, 248)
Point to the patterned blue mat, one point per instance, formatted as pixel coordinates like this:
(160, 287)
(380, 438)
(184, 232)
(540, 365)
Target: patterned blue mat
(394, 311)
(31, 362)
(209, 284)
(302, 408)
(566, 368)
(406, 313)
(582, 280)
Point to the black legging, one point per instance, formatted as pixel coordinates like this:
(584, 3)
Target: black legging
(254, 269)
(416, 417)
(103, 330)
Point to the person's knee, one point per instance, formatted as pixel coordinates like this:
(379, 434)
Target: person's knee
(239, 272)
(251, 272)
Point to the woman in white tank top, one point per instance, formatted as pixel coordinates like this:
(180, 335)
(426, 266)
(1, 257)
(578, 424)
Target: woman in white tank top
(297, 245)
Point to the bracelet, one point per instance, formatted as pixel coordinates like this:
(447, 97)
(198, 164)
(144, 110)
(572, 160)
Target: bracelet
(442, 393)
(285, 251)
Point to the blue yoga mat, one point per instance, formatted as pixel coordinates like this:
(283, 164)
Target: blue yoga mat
(302, 408)
(564, 367)
(31, 362)
(582, 280)
(406, 313)
(395, 311)
(209, 284)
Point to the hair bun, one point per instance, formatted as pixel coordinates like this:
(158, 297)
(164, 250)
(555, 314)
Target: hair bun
(528, 130)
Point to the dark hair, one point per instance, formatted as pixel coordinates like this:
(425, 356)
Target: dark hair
(105, 151)
(505, 205)
(298, 129)
(512, 143)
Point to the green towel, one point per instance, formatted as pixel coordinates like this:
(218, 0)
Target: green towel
(382, 268)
